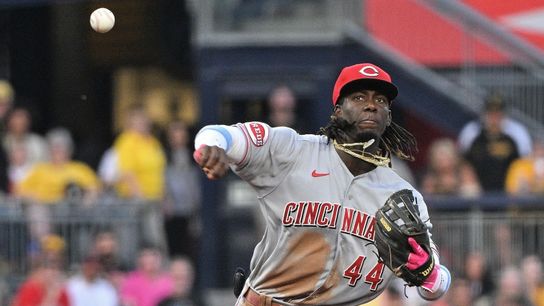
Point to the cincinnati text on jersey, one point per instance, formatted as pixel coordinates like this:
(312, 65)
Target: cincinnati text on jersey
(325, 214)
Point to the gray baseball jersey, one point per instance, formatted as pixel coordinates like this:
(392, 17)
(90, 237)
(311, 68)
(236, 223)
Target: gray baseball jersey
(317, 247)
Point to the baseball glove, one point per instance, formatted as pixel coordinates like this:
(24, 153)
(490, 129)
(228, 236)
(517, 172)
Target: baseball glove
(397, 221)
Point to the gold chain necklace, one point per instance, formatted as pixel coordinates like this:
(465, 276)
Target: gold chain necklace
(365, 156)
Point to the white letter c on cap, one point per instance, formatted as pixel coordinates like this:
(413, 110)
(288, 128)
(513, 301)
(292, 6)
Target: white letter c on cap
(374, 72)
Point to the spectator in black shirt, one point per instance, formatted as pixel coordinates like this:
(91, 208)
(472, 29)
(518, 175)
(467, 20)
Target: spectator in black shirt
(492, 151)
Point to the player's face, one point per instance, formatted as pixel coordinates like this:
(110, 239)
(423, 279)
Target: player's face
(368, 110)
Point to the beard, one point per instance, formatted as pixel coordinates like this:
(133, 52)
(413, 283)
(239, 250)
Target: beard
(365, 136)
(355, 135)
(344, 131)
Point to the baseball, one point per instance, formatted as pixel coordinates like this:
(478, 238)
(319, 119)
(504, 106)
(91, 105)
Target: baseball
(102, 20)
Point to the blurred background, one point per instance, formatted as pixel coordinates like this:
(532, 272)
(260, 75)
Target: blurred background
(97, 179)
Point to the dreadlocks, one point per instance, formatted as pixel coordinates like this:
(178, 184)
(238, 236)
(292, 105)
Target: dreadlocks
(395, 139)
(399, 141)
(337, 129)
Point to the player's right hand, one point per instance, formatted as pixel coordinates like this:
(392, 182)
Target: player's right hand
(213, 161)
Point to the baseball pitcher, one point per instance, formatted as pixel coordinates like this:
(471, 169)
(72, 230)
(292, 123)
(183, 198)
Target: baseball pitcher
(340, 223)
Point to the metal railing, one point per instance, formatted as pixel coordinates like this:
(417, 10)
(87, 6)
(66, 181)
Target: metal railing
(77, 225)
(504, 229)
(503, 238)
(270, 22)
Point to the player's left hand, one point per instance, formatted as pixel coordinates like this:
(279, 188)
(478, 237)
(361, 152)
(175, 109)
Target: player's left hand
(416, 259)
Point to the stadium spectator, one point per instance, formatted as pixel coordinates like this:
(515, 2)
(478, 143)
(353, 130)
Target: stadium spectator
(7, 98)
(141, 165)
(448, 172)
(182, 200)
(531, 268)
(282, 105)
(493, 150)
(18, 165)
(18, 133)
(106, 249)
(52, 248)
(494, 107)
(182, 272)
(45, 285)
(43, 244)
(510, 290)
(526, 175)
(88, 288)
(140, 158)
(108, 171)
(149, 283)
(24, 148)
(478, 276)
(70, 177)
(459, 293)
(504, 253)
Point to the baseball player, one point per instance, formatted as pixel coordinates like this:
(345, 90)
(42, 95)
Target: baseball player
(319, 195)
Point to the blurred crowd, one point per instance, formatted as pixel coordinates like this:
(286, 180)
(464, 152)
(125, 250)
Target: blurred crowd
(103, 279)
(494, 154)
(155, 171)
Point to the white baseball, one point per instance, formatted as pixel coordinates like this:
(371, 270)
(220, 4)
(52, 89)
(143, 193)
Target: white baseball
(102, 20)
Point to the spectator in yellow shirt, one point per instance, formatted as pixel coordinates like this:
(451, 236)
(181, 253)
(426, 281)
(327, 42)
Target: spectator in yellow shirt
(49, 182)
(526, 175)
(140, 159)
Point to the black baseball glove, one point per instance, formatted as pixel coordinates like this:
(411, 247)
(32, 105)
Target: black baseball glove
(396, 222)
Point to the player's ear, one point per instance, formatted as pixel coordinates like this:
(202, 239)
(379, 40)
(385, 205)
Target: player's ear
(338, 107)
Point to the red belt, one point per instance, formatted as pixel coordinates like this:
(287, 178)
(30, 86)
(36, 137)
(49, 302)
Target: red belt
(258, 299)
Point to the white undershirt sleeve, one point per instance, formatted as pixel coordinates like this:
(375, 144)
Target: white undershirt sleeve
(443, 284)
(229, 138)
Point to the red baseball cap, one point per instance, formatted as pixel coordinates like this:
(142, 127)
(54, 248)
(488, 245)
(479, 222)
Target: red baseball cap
(365, 74)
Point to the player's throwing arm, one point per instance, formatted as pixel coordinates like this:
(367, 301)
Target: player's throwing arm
(216, 146)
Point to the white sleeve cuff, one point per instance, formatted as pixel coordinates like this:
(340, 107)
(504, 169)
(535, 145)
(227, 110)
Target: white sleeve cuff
(444, 285)
(229, 138)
